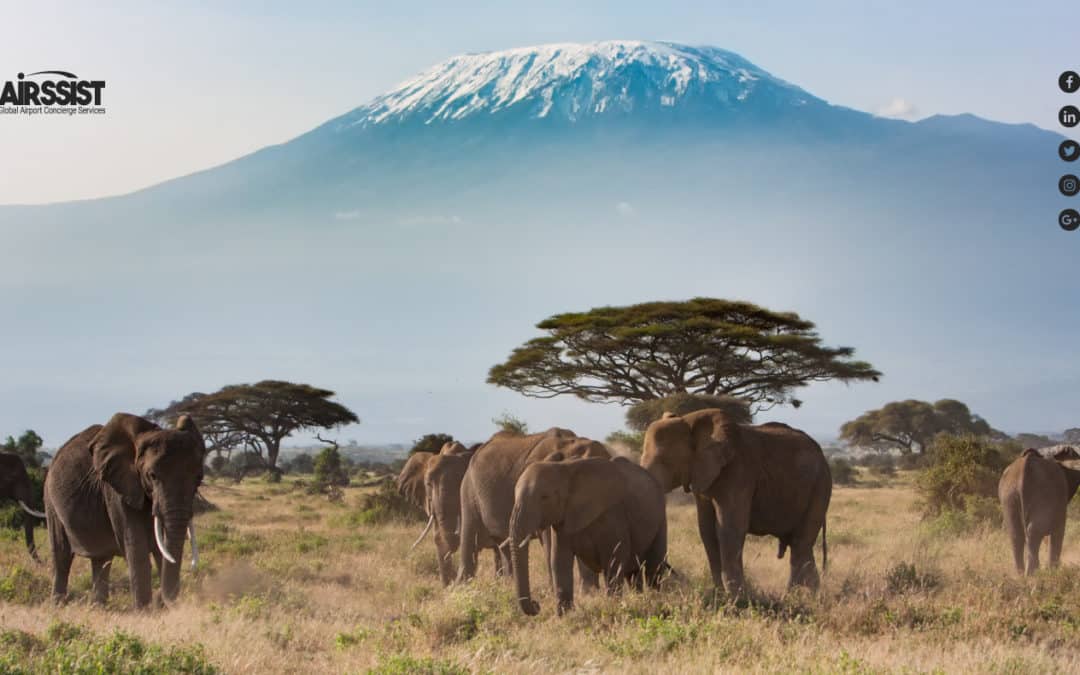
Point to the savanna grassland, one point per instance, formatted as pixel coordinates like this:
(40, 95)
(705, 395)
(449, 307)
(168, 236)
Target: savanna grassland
(292, 582)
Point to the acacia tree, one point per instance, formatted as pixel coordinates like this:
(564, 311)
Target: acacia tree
(652, 350)
(261, 415)
(911, 425)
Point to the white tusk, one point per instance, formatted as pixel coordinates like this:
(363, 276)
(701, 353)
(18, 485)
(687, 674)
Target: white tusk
(524, 543)
(194, 545)
(36, 514)
(430, 522)
(159, 537)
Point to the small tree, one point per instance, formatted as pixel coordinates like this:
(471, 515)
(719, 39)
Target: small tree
(27, 446)
(430, 443)
(960, 470)
(329, 470)
(302, 463)
(511, 425)
(911, 425)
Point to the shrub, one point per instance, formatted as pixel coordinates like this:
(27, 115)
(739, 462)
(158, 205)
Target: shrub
(843, 473)
(903, 577)
(23, 587)
(408, 665)
(957, 468)
(329, 471)
(511, 425)
(385, 505)
(73, 649)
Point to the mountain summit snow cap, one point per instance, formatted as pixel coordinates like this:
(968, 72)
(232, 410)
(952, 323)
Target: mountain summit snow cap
(577, 81)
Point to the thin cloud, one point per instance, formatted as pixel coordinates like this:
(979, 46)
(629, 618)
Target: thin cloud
(898, 108)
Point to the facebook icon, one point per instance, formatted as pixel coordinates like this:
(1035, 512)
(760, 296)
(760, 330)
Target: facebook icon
(1069, 82)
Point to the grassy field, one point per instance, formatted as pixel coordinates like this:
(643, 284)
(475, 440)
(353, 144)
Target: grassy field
(290, 582)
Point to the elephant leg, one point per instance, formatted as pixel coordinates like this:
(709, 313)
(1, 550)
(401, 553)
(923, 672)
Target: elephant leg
(99, 573)
(563, 573)
(1057, 537)
(1014, 528)
(1034, 541)
(590, 581)
(62, 556)
(707, 528)
(803, 568)
(731, 549)
(469, 542)
(137, 555)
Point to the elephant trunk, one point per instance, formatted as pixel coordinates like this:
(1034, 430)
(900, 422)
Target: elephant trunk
(520, 531)
(170, 530)
(447, 519)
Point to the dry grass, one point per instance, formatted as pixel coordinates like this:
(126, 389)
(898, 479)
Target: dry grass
(293, 583)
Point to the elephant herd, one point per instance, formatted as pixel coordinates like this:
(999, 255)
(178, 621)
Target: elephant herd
(127, 488)
(607, 515)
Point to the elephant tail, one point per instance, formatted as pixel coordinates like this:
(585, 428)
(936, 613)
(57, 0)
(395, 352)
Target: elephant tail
(824, 548)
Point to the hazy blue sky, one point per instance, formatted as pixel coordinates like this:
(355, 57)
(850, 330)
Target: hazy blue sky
(193, 84)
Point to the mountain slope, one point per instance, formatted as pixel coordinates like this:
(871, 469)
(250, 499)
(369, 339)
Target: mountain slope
(396, 252)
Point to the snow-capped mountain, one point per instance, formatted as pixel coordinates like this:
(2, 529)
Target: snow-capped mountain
(577, 81)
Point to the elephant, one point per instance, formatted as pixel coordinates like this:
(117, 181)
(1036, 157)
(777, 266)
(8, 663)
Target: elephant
(487, 490)
(15, 484)
(609, 513)
(410, 482)
(125, 488)
(442, 485)
(746, 479)
(1034, 493)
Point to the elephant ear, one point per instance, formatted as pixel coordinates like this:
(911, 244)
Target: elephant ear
(595, 486)
(714, 440)
(114, 453)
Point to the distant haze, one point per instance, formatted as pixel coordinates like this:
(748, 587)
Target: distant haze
(395, 257)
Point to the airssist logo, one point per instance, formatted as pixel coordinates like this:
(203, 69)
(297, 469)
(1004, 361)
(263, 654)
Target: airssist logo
(51, 92)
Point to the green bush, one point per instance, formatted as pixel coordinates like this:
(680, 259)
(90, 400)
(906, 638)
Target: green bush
(329, 471)
(408, 665)
(843, 473)
(385, 505)
(903, 577)
(22, 587)
(73, 649)
(956, 469)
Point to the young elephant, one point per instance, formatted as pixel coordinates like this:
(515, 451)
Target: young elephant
(609, 513)
(1034, 493)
